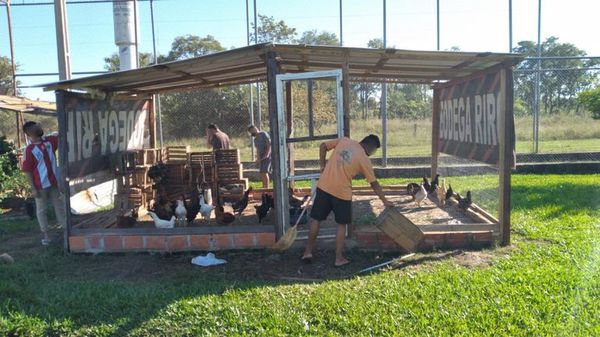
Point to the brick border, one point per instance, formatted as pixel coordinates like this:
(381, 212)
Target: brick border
(98, 243)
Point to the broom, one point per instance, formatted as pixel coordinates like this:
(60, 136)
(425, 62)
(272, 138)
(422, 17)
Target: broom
(286, 241)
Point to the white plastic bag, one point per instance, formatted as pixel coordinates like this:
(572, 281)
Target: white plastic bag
(208, 260)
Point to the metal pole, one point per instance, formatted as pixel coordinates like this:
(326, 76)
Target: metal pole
(62, 40)
(258, 112)
(14, 71)
(536, 119)
(135, 28)
(438, 23)
(251, 93)
(341, 30)
(510, 35)
(158, 110)
(384, 98)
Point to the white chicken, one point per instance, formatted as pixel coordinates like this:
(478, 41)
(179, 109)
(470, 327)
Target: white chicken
(208, 196)
(441, 193)
(180, 212)
(160, 223)
(205, 208)
(421, 195)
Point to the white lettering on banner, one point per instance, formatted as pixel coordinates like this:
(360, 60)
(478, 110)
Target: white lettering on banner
(113, 123)
(472, 119)
(103, 126)
(114, 130)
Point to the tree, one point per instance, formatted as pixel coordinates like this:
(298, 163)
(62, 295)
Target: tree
(6, 78)
(324, 38)
(270, 30)
(188, 46)
(558, 88)
(112, 62)
(364, 90)
(590, 99)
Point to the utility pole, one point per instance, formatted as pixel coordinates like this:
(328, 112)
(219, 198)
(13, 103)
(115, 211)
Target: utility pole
(62, 40)
(383, 99)
(258, 112)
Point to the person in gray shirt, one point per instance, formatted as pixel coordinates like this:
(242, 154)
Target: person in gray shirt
(262, 141)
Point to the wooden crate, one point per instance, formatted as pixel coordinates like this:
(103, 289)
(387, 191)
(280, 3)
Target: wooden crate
(231, 156)
(399, 228)
(177, 173)
(147, 157)
(176, 154)
(229, 172)
(199, 158)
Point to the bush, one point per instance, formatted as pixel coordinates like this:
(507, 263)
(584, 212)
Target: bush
(590, 99)
(12, 181)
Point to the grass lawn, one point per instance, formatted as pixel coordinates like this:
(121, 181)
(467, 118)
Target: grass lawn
(546, 284)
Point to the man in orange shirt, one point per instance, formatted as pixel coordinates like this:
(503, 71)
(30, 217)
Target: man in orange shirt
(334, 189)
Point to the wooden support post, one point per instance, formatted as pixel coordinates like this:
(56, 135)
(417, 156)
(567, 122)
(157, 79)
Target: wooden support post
(311, 116)
(505, 160)
(18, 127)
(63, 156)
(152, 122)
(289, 105)
(278, 185)
(435, 132)
(346, 95)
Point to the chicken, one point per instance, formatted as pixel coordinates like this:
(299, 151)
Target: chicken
(263, 209)
(421, 195)
(158, 172)
(426, 184)
(162, 208)
(296, 202)
(127, 220)
(207, 194)
(205, 209)
(441, 193)
(193, 207)
(180, 211)
(412, 189)
(449, 192)
(222, 217)
(240, 206)
(160, 223)
(464, 203)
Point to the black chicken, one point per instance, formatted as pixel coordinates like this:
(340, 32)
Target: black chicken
(426, 184)
(449, 192)
(464, 203)
(158, 172)
(240, 206)
(435, 183)
(296, 202)
(127, 220)
(193, 207)
(263, 209)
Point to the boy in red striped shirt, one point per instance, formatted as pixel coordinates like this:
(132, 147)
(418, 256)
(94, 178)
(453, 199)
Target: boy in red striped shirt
(39, 164)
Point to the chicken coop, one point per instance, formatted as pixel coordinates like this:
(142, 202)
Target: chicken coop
(108, 138)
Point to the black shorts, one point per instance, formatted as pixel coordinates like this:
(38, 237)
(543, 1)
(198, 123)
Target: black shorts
(325, 203)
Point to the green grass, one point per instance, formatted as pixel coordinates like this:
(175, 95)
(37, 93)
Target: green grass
(546, 284)
(560, 133)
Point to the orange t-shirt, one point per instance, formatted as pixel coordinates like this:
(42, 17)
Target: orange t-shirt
(347, 160)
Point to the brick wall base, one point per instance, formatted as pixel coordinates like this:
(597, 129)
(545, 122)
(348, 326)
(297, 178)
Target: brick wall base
(99, 243)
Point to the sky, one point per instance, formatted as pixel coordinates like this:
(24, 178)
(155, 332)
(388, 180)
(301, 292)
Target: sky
(471, 25)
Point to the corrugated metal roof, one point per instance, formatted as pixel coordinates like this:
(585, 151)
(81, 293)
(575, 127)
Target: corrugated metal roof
(26, 105)
(247, 65)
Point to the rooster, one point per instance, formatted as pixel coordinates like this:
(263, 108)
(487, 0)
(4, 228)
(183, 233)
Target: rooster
(158, 172)
(435, 183)
(240, 206)
(193, 207)
(162, 208)
(464, 203)
(449, 192)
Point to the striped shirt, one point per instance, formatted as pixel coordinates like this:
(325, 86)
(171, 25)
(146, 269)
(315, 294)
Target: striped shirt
(40, 160)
